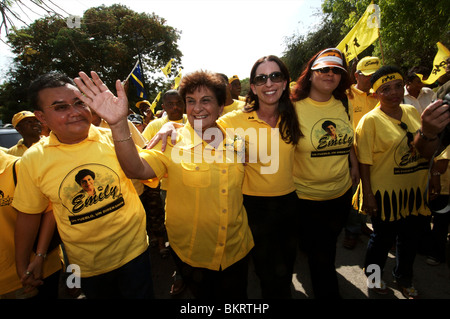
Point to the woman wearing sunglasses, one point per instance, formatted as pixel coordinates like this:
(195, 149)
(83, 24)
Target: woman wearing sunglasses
(393, 179)
(325, 164)
(269, 190)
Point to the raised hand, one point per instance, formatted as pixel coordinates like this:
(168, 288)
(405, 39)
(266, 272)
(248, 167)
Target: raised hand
(99, 98)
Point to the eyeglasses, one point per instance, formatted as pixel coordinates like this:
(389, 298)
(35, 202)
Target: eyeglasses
(409, 135)
(327, 69)
(63, 107)
(275, 77)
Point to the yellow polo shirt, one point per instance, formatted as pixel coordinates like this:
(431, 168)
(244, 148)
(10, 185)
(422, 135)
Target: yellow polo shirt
(102, 231)
(9, 280)
(154, 126)
(321, 166)
(269, 163)
(18, 149)
(236, 105)
(360, 103)
(206, 220)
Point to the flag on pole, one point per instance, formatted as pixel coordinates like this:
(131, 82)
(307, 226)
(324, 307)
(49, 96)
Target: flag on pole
(439, 64)
(363, 34)
(177, 80)
(166, 69)
(136, 78)
(155, 101)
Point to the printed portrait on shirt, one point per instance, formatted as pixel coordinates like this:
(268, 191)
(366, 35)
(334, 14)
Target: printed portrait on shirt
(331, 137)
(89, 192)
(407, 158)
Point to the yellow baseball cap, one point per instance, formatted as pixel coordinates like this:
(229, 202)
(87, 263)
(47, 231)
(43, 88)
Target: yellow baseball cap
(143, 101)
(20, 116)
(368, 65)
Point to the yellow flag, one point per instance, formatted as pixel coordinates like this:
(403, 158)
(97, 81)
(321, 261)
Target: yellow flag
(363, 34)
(177, 80)
(166, 69)
(155, 101)
(439, 64)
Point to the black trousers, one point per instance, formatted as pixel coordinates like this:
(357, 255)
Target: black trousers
(319, 225)
(206, 284)
(272, 222)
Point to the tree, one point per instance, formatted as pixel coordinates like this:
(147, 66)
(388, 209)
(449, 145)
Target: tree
(109, 40)
(409, 29)
(409, 32)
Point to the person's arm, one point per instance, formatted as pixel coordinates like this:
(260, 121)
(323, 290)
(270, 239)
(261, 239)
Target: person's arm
(114, 110)
(354, 166)
(27, 227)
(434, 120)
(369, 205)
(46, 230)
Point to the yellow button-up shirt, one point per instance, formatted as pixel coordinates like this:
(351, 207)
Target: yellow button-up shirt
(206, 220)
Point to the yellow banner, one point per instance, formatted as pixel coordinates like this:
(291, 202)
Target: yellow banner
(155, 101)
(363, 34)
(177, 80)
(439, 64)
(166, 69)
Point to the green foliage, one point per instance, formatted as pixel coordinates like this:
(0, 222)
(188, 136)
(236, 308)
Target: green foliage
(108, 41)
(409, 32)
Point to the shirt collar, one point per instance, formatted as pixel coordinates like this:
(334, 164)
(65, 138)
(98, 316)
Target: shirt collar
(188, 138)
(94, 135)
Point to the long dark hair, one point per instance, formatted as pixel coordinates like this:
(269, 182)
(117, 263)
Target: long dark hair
(289, 125)
(303, 83)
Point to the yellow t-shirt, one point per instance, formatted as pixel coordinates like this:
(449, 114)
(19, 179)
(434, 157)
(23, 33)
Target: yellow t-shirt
(445, 178)
(154, 126)
(102, 229)
(268, 171)
(236, 105)
(360, 103)
(321, 160)
(398, 174)
(9, 280)
(206, 220)
(18, 149)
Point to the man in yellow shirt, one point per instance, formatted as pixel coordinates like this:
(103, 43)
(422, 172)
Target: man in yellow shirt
(26, 123)
(230, 103)
(361, 100)
(104, 234)
(174, 107)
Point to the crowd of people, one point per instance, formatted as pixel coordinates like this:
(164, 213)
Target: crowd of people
(220, 179)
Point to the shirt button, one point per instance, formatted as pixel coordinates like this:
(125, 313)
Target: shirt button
(224, 171)
(224, 191)
(197, 168)
(224, 211)
(223, 227)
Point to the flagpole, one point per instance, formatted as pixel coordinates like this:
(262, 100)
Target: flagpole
(128, 77)
(381, 46)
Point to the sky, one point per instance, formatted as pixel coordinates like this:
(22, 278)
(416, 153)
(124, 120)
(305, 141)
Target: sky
(217, 35)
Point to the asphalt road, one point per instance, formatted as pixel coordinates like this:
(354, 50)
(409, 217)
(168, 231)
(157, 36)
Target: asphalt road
(432, 282)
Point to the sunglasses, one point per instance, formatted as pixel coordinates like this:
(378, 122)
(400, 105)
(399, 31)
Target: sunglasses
(327, 69)
(275, 77)
(409, 135)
